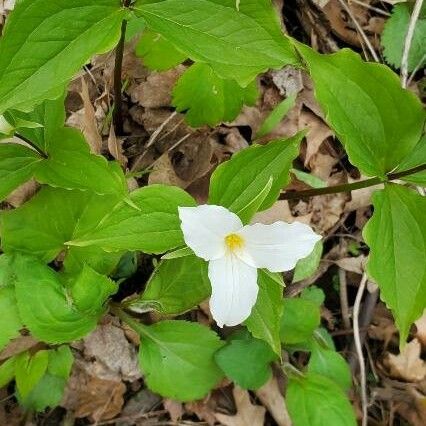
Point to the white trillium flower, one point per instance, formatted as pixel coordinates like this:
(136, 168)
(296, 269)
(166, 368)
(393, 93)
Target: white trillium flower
(235, 252)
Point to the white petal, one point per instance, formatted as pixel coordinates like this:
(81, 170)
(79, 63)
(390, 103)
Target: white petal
(205, 227)
(234, 290)
(277, 247)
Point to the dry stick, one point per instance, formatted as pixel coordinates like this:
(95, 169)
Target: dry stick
(344, 299)
(118, 67)
(375, 9)
(408, 40)
(358, 346)
(351, 186)
(360, 30)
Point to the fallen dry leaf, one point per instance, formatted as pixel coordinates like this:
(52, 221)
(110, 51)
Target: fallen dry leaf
(352, 264)
(90, 396)
(175, 409)
(247, 413)
(114, 358)
(271, 397)
(408, 365)
(90, 123)
(115, 147)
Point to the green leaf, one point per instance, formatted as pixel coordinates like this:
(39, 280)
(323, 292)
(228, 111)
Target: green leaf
(330, 364)
(7, 371)
(377, 121)
(177, 359)
(70, 154)
(265, 318)
(48, 392)
(314, 294)
(29, 369)
(52, 312)
(246, 360)
(393, 37)
(176, 286)
(153, 228)
(70, 213)
(158, 53)
(315, 400)
(396, 235)
(300, 319)
(89, 290)
(66, 48)
(50, 115)
(208, 98)
(275, 117)
(246, 43)
(309, 179)
(10, 322)
(17, 165)
(237, 182)
(102, 262)
(417, 157)
(307, 266)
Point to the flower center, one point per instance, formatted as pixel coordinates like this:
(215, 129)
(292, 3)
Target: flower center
(234, 241)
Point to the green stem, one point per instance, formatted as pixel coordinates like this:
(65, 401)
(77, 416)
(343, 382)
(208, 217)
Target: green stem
(135, 325)
(291, 370)
(32, 145)
(350, 186)
(118, 67)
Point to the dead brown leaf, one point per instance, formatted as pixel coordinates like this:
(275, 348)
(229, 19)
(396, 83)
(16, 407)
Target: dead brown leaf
(408, 365)
(90, 123)
(247, 413)
(175, 409)
(115, 147)
(271, 397)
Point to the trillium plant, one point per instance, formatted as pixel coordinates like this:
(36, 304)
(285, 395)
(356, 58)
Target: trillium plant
(235, 253)
(70, 248)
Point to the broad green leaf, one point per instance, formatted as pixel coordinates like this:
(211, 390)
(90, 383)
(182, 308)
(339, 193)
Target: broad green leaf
(246, 360)
(396, 235)
(417, 157)
(393, 37)
(314, 294)
(98, 259)
(153, 228)
(10, 322)
(265, 318)
(235, 183)
(299, 320)
(66, 48)
(89, 290)
(209, 99)
(7, 371)
(158, 53)
(241, 47)
(177, 359)
(176, 286)
(307, 266)
(70, 213)
(309, 179)
(377, 121)
(176, 254)
(330, 364)
(48, 392)
(275, 117)
(29, 369)
(50, 115)
(70, 165)
(315, 400)
(17, 165)
(49, 309)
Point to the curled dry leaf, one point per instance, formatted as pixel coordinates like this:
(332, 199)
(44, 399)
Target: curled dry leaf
(175, 409)
(90, 396)
(115, 147)
(408, 365)
(114, 357)
(421, 329)
(271, 397)
(352, 264)
(247, 413)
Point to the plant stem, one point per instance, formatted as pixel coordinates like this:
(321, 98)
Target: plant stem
(32, 145)
(350, 186)
(118, 67)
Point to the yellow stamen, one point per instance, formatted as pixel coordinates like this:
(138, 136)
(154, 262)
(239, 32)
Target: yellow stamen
(234, 241)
